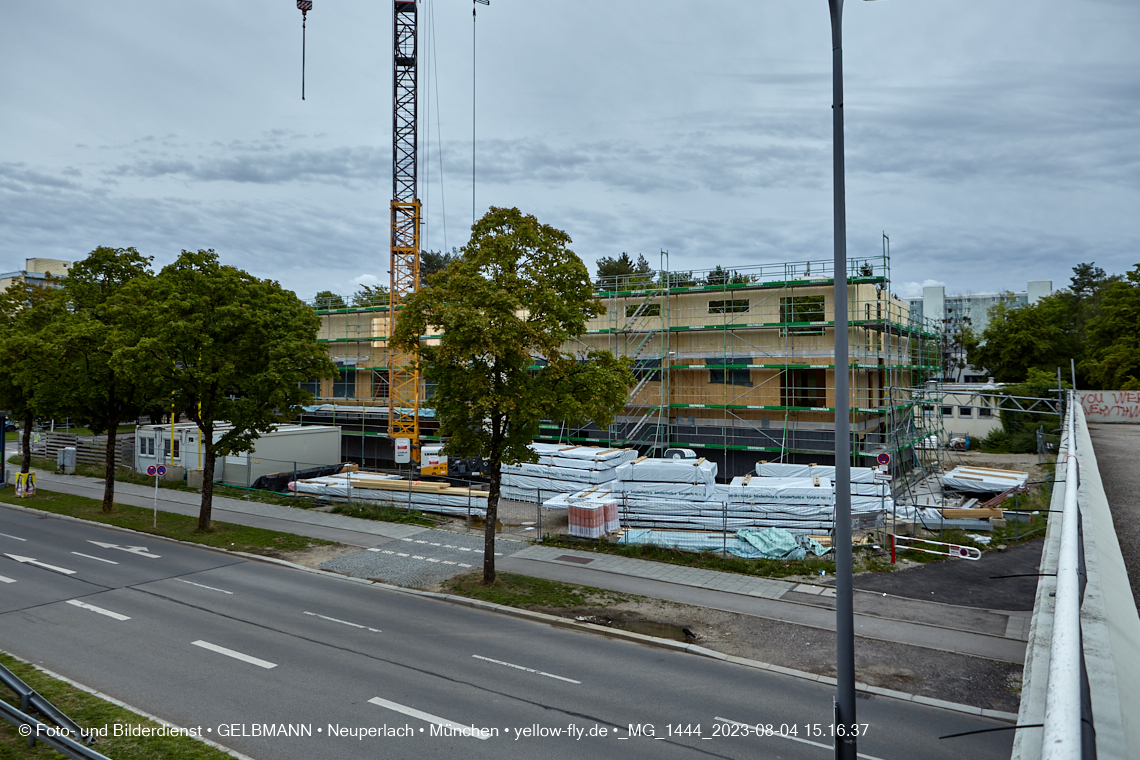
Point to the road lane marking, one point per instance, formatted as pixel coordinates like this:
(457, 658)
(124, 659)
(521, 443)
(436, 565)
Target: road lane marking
(528, 670)
(139, 550)
(30, 561)
(6, 580)
(100, 610)
(5, 535)
(199, 585)
(236, 655)
(827, 747)
(88, 556)
(414, 713)
(343, 622)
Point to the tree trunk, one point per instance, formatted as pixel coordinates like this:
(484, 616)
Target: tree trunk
(109, 467)
(26, 462)
(207, 479)
(495, 477)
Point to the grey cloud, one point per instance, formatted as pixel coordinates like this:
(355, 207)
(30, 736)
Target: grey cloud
(266, 165)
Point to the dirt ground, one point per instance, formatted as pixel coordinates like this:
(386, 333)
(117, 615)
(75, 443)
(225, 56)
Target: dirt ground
(915, 670)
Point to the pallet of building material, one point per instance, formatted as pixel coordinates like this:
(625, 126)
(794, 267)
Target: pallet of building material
(552, 472)
(781, 470)
(581, 457)
(416, 486)
(974, 480)
(655, 470)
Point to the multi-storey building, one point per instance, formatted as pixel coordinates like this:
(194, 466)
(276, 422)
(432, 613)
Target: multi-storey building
(739, 365)
(41, 272)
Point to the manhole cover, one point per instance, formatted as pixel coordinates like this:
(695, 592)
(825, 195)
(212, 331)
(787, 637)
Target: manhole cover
(575, 560)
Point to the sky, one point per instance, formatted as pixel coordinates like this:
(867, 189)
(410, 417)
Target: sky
(994, 143)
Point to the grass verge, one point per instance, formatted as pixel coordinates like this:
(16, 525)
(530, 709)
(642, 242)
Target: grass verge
(531, 593)
(765, 568)
(384, 512)
(181, 527)
(91, 712)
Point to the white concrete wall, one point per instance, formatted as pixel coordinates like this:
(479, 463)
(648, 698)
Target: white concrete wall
(1111, 406)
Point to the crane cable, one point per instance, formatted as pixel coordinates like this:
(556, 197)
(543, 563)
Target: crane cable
(304, 6)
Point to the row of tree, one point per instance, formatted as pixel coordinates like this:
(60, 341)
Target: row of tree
(431, 262)
(622, 273)
(1096, 322)
(198, 339)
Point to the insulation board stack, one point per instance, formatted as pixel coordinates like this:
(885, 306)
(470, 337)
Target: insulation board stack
(672, 478)
(377, 488)
(983, 480)
(562, 469)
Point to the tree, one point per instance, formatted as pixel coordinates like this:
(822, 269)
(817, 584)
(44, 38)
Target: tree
(230, 348)
(89, 386)
(622, 273)
(1113, 345)
(1087, 279)
(29, 316)
(327, 299)
(433, 262)
(517, 294)
(370, 295)
(1020, 337)
(722, 276)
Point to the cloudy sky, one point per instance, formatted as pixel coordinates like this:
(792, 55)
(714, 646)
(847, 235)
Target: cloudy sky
(993, 142)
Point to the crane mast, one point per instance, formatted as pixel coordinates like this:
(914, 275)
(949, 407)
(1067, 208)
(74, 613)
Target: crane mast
(403, 372)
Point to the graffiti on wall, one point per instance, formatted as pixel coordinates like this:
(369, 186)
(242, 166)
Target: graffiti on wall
(1111, 406)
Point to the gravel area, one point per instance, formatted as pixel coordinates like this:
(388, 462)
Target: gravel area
(422, 561)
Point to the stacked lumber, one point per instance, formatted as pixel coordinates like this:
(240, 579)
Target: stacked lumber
(378, 488)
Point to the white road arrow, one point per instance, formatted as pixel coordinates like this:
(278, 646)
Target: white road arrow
(30, 561)
(139, 550)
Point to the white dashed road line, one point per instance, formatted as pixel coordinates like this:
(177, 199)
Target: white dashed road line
(5, 535)
(100, 610)
(100, 559)
(6, 580)
(460, 730)
(528, 670)
(199, 585)
(343, 622)
(236, 655)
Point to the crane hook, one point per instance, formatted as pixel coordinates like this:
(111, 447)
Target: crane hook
(304, 6)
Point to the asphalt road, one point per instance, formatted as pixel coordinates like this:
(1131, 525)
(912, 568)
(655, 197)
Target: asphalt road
(202, 638)
(1117, 447)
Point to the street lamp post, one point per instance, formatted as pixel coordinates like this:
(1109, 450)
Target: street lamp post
(845, 721)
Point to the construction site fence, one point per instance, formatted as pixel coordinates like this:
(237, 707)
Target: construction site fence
(89, 450)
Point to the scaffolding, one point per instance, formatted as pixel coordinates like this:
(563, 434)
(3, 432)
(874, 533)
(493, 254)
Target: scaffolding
(743, 361)
(738, 364)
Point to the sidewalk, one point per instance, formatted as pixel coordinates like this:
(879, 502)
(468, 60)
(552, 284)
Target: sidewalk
(997, 635)
(255, 514)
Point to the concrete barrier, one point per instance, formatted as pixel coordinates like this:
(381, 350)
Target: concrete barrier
(1111, 406)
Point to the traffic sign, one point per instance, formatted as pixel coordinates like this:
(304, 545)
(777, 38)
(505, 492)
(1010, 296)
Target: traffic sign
(152, 470)
(883, 458)
(162, 469)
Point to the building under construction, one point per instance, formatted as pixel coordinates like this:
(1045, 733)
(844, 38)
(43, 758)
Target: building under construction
(738, 365)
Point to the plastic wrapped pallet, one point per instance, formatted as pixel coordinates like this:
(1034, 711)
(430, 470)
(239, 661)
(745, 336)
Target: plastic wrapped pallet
(781, 490)
(587, 520)
(578, 475)
(559, 501)
(668, 471)
(581, 457)
(781, 470)
(693, 491)
(981, 480)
